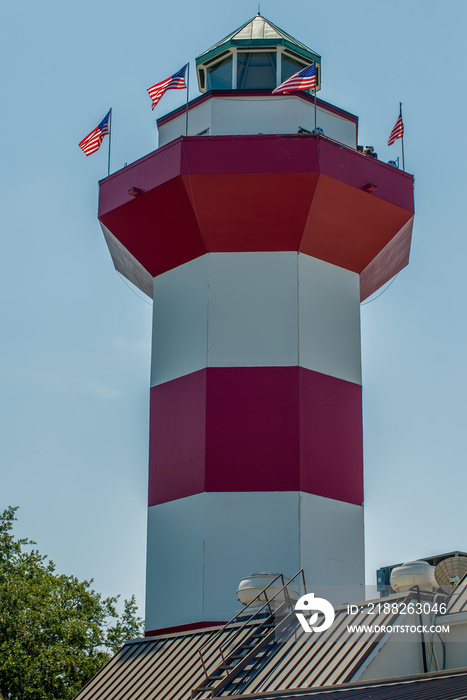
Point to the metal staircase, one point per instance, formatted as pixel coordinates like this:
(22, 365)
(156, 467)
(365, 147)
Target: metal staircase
(258, 632)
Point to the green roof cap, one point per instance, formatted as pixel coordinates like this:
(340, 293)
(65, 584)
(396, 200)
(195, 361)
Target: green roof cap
(258, 32)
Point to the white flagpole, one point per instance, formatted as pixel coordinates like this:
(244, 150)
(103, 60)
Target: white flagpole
(315, 108)
(187, 94)
(110, 137)
(402, 138)
(316, 85)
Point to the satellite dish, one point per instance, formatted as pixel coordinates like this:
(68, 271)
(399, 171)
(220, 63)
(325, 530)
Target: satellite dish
(450, 572)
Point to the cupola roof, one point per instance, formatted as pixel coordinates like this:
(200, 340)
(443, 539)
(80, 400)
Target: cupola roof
(258, 32)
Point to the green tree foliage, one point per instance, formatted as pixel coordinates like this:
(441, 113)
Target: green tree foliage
(55, 631)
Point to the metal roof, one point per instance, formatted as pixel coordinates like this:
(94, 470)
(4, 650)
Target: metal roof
(304, 661)
(258, 31)
(257, 28)
(440, 685)
(294, 665)
(458, 600)
(168, 667)
(158, 667)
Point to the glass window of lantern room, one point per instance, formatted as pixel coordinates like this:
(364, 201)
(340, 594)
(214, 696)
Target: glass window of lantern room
(220, 75)
(256, 70)
(290, 66)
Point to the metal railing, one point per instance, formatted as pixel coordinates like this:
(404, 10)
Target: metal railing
(255, 615)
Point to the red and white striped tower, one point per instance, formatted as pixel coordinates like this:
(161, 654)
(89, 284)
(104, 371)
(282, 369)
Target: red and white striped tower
(257, 238)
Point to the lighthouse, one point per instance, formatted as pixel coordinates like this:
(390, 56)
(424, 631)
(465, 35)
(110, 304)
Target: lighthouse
(257, 227)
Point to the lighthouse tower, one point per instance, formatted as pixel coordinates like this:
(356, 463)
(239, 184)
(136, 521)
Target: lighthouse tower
(257, 235)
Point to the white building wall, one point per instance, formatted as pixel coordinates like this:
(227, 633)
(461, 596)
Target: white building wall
(175, 563)
(257, 115)
(334, 126)
(332, 548)
(399, 655)
(269, 309)
(200, 547)
(254, 115)
(253, 310)
(329, 319)
(180, 321)
(455, 640)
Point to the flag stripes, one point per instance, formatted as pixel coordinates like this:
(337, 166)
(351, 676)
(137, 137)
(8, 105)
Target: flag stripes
(397, 131)
(91, 143)
(303, 80)
(175, 82)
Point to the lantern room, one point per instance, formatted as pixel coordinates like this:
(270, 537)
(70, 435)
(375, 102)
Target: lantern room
(256, 56)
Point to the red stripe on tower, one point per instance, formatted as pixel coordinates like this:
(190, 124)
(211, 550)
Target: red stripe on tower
(256, 429)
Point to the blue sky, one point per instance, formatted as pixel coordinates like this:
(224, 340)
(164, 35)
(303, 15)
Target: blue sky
(74, 376)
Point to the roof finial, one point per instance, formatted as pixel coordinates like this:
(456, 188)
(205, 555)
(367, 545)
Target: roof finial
(259, 9)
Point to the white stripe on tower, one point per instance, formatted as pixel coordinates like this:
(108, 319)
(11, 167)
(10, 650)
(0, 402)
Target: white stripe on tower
(268, 309)
(201, 546)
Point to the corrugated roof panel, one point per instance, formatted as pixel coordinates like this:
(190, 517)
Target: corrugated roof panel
(112, 681)
(163, 667)
(458, 601)
(314, 660)
(169, 667)
(443, 685)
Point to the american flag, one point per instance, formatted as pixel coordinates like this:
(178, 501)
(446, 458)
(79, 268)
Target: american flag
(91, 143)
(397, 131)
(175, 82)
(303, 80)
